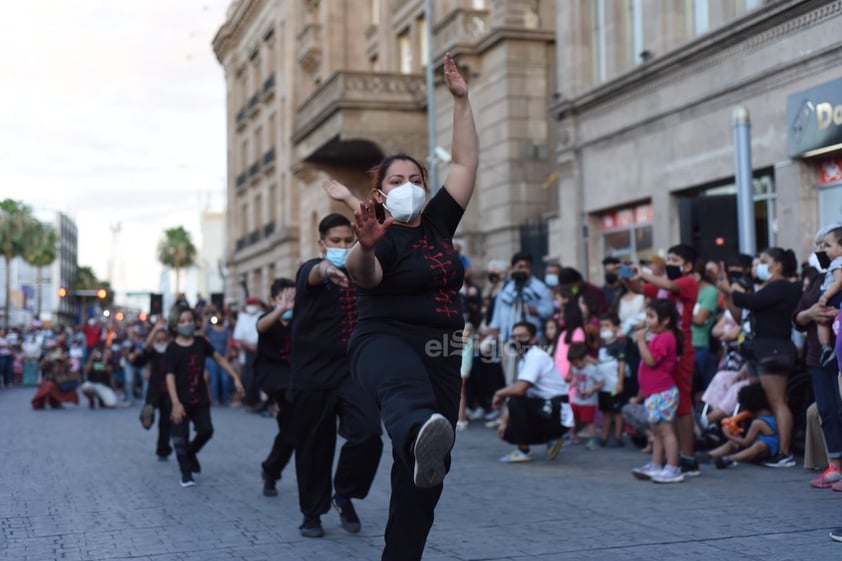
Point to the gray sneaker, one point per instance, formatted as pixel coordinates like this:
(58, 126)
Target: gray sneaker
(433, 443)
(670, 474)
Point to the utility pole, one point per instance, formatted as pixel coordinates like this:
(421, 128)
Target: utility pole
(744, 179)
(432, 160)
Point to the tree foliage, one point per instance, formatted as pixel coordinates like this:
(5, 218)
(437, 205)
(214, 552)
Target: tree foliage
(177, 251)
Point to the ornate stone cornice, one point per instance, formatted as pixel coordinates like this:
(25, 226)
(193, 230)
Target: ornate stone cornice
(241, 16)
(737, 39)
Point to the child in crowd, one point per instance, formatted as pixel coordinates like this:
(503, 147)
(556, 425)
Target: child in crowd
(184, 368)
(572, 331)
(550, 335)
(586, 378)
(156, 391)
(612, 365)
(589, 305)
(831, 288)
(657, 386)
(761, 439)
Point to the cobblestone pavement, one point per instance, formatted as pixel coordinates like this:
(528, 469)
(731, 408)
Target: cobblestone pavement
(78, 484)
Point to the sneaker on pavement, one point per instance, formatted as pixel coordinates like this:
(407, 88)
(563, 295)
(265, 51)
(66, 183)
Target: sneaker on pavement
(187, 481)
(837, 486)
(724, 462)
(147, 416)
(645, 472)
(593, 444)
(670, 474)
(269, 488)
(836, 534)
(347, 515)
(492, 415)
(475, 414)
(780, 460)
(689, 466)
(614, 443)
(517, 456)
(311, 527)
(432, 445)
(554, 447)
(462, 425)
(827, 478)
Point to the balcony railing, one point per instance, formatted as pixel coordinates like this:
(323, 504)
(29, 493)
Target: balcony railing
(242, 118)
(254, 237)
(254, 104)
(241, 243)
(269, 87)
(461, 28)
(360, 90)
(269, 159)
(241, 180)
(268, 229)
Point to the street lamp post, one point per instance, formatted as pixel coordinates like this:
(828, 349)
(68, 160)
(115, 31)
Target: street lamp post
(432, 160)
(744, 180)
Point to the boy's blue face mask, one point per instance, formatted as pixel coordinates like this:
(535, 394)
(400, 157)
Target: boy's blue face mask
(337, 256)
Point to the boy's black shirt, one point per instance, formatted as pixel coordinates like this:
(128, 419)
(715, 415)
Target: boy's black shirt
(188, 366)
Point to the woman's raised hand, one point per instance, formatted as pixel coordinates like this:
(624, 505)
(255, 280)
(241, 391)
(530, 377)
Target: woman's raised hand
(453, 78)
(367, 228)
(336, 190)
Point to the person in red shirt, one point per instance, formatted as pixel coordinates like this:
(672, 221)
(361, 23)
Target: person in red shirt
(683, 290)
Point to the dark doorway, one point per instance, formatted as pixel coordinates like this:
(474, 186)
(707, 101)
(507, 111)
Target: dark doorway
(709, 225)
(534, 239)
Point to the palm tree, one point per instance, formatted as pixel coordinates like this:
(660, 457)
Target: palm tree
(15, 223)
(41, 250)
(176, 250)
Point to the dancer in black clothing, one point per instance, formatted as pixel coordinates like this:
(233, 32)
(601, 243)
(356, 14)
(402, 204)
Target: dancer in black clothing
(273, 375)
(406, 348)
(156, 392)
(184, 367)
(324, 316)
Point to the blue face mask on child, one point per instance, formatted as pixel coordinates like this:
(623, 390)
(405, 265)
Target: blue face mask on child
(287, 315)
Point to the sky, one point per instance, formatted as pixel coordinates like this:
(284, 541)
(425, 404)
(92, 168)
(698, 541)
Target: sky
(113, 111)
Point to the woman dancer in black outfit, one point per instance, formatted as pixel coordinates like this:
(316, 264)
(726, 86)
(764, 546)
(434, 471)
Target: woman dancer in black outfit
(406, 348)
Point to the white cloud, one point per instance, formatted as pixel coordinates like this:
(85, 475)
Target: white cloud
(114, 111)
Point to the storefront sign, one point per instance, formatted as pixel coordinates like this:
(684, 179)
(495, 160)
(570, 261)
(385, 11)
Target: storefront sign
(830, 172)
(626, 217)
(814, 120)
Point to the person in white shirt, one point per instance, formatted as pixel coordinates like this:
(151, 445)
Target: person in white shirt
(537, 402)
(245, 333)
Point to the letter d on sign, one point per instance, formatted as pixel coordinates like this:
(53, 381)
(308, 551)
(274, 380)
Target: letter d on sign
(824, 115)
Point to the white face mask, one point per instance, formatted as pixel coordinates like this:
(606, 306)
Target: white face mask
(160, 347)
(251, 309)
(606, 334)
(406, 202)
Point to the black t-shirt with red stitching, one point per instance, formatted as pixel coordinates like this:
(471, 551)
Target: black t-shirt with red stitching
(323, 318)
(422, 273)
(188, 366)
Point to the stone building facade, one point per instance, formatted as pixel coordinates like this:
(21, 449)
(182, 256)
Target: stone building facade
(605, 125)
(646, 93)
(321, 89)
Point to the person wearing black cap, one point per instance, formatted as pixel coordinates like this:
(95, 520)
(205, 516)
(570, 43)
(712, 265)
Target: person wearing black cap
(325, 314)
(572, 281)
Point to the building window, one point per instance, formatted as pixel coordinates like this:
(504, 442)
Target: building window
(701, 17)
(244, 220)
(599, 41)
(422, 40)
(627, 233)
(636, 31)
(405, 53)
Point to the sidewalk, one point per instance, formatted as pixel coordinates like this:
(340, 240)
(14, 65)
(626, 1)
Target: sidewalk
(77, 484)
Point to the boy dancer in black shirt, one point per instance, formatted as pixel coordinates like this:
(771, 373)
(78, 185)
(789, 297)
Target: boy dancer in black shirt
(325, 315)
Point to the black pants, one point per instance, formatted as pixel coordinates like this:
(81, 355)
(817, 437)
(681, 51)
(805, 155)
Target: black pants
(161, 401)
(284, 444)
(529, 423)
(185, 448)
(250, 381)
(315, 423)
(409, 384)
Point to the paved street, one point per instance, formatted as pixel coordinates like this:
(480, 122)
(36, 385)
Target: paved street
(77, 484)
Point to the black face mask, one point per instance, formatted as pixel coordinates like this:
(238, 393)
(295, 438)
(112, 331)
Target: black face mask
(611, 278)
(493, 277)
(824, 260)
(674, 272)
